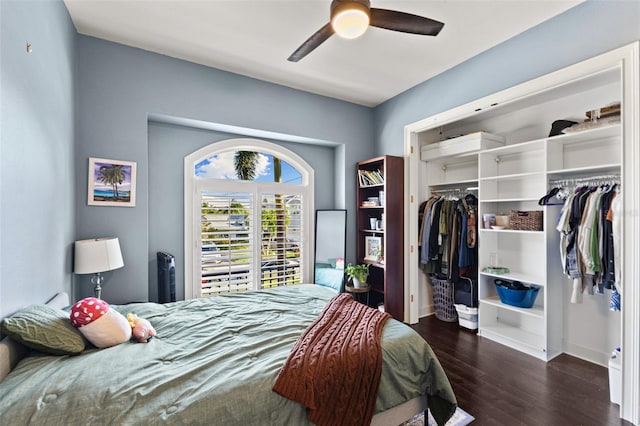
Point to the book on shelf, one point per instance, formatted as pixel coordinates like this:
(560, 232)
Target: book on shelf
(370, 177)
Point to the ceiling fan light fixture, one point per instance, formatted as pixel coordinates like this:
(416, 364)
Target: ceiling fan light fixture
(350, 20)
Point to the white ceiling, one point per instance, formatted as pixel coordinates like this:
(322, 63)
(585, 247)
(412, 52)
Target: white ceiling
(254, 38)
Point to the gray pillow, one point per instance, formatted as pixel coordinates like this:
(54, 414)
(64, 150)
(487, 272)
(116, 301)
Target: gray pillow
(44, 329)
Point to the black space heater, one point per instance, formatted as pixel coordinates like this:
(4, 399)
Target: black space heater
(166, 277)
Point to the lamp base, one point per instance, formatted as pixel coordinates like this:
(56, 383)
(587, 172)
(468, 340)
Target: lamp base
(97, 281)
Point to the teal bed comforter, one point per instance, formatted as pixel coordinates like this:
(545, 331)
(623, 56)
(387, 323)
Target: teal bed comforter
(213, 362)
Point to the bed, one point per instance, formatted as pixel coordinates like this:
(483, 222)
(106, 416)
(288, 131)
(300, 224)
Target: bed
(328, 275)
(213, 361)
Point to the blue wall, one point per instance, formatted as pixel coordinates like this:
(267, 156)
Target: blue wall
(168, 145)
(37, 187)
(119, 87)
(587, 30)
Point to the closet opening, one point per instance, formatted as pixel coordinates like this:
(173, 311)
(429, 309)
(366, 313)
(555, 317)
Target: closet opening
(526, 172)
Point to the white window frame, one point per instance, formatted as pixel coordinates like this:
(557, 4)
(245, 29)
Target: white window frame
(193, 186)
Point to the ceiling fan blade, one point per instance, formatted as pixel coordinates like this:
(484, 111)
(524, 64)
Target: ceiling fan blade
(312, 42)
(404, 22)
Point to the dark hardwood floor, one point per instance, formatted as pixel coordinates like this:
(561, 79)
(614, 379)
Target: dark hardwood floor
(501, 386)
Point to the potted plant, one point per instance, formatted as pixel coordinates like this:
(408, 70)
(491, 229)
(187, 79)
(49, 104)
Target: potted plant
(358, 274)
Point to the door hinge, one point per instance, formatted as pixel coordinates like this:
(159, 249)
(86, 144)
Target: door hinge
(412, 149)
(411, 248)
(411, 199)
(412, 298)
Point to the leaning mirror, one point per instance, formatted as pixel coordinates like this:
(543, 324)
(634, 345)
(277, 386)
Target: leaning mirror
(331, 238)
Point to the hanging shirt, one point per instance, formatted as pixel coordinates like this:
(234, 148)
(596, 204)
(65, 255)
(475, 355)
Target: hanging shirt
(564, 229)
(434, 233)
(616, 222)
(471, 206)
(608, 260)
(426, 228)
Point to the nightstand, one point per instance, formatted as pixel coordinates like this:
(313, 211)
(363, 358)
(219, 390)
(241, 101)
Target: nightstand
(357, 291)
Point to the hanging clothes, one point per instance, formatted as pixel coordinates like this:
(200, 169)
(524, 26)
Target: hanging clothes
(423, 237)
(588, 241)
(448, 234)
(615, 213)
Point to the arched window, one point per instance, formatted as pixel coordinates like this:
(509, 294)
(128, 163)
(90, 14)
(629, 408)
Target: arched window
(248, 218)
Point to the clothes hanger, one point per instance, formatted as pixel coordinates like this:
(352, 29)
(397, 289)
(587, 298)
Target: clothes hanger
(545, 201)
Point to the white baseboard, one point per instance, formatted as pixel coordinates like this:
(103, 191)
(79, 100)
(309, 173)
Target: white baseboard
(587, 354)
(427, 310)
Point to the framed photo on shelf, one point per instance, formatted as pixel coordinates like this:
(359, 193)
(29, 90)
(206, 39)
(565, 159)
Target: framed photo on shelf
(372, 248)
(111, 183)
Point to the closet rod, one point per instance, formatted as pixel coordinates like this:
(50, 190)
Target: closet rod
(592, 180)
(454, 190)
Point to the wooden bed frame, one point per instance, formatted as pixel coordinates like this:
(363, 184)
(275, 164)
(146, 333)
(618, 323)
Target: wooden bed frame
(11, 352)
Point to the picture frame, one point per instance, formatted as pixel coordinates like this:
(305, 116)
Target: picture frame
(372, 248)
(111, 183)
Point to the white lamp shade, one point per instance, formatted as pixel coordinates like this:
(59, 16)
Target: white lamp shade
(97, 255)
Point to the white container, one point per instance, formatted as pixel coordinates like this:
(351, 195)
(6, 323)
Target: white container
(467, 317)
(615, 377)
(466, 144)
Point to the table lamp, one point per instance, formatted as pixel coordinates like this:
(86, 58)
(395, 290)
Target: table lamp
(95, 256)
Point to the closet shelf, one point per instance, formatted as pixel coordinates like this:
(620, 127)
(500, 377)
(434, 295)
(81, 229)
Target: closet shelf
(518, 276)
(600, 168)
(535, 311)
(512, 231)
(508, 200)
(526, 341)
(602, 132)
(454, 184)
(527, 146)
(513, 176)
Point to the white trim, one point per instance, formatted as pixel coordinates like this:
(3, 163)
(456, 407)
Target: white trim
(630, 407)
(412, 280)
(626, 58)
(193, 185)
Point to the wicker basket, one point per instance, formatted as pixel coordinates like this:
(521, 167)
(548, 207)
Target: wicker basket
(443, 299)
(526, 220)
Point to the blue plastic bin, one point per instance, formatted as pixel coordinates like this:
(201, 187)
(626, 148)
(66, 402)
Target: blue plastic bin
(520, 298)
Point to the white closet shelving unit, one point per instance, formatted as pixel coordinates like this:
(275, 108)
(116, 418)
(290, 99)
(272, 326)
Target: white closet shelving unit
(515, 177)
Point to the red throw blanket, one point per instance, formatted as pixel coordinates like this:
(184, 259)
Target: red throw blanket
(334, 368)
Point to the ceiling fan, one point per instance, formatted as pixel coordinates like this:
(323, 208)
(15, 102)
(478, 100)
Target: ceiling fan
(350, 19)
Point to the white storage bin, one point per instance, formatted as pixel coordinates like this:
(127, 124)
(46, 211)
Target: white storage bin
(615, 377)
(466, 144)
(467, 317)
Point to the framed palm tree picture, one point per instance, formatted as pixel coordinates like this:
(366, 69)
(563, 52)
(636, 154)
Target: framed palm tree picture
(111, 183)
